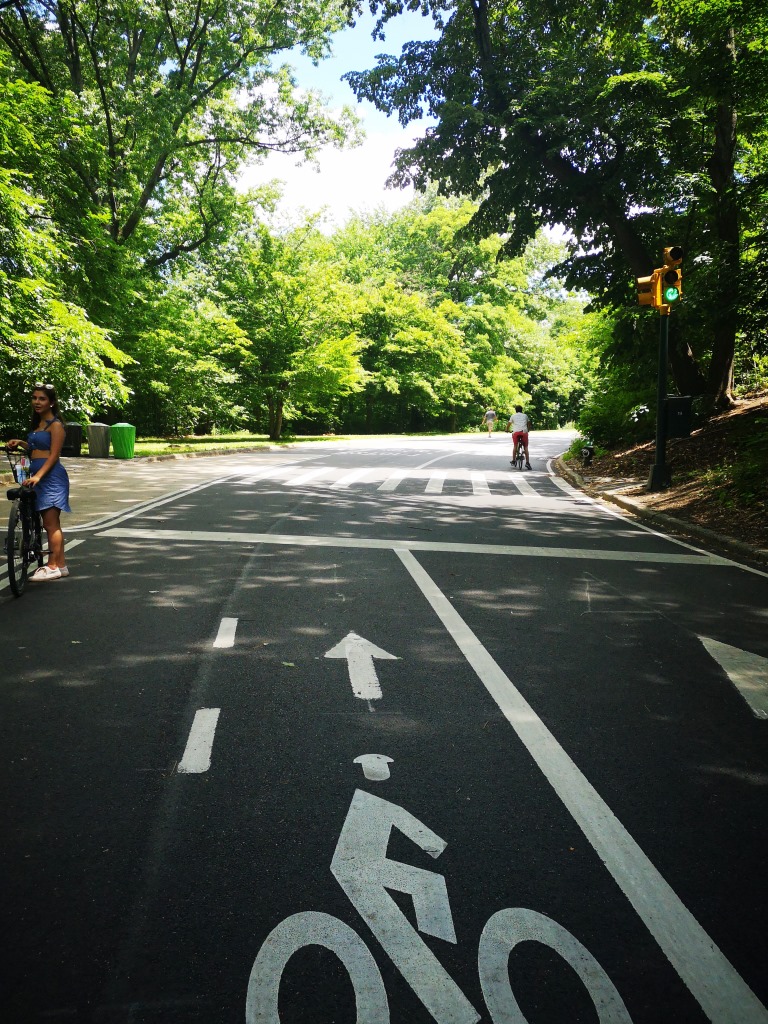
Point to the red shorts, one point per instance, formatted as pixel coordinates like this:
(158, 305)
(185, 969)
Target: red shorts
(520, 435)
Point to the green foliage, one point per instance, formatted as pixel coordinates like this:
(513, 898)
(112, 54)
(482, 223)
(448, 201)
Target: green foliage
(634, 127)
(42, 335)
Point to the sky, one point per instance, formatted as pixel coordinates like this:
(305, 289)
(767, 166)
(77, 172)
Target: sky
(350, 180)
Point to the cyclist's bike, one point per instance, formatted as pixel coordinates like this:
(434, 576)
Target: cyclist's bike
(24, 540)
(519, 455)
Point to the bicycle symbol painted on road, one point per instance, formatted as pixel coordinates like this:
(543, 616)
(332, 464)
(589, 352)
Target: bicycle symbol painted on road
(365, 873)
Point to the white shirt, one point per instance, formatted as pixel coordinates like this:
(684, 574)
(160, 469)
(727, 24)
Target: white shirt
(519, 421)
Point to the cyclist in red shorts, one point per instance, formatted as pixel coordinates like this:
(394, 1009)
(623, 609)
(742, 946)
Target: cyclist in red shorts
(520, 425)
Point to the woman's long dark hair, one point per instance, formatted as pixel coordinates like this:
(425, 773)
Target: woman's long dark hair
(50, 391)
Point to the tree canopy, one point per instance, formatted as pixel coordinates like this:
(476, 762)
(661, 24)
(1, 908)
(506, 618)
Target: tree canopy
(634, 127)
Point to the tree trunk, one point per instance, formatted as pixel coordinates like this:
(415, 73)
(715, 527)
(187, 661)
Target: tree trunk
(275, 412)
(686, 373)
(722, 168)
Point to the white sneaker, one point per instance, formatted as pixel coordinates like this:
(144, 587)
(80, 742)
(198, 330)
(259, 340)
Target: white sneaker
(45, 572)
(64, 570)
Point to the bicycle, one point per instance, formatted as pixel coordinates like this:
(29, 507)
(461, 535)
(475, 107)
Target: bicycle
(519, 455)
(24, 539)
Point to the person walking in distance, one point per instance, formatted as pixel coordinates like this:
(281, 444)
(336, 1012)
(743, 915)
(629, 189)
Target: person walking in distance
(489, 419)
(519, 424)
(48, 477)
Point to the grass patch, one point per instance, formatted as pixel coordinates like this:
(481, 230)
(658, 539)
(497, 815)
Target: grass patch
(219, 443)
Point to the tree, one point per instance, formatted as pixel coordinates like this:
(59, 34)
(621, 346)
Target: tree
(617, 122)
(158, 106)
(287, 297)
(42, 335)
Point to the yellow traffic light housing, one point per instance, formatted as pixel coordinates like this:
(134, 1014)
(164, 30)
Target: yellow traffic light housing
(649, 290)
(672, 274)
(664, 287)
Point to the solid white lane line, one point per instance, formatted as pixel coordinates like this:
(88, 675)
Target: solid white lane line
(479, 484)
(435, 482)
(748, 672)
(197, 753)
(521, 551)
(226, 635)
(713, 981)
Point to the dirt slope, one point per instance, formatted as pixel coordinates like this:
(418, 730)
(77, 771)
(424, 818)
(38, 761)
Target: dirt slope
(719, 474)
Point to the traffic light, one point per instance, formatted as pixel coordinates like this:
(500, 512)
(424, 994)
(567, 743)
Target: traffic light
(649, 290)
(672, 274)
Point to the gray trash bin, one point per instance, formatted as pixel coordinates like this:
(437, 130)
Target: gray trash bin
(74, 439)
(98, 440)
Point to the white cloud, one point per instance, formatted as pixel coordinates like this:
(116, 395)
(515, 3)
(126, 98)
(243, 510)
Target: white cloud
(345, 181)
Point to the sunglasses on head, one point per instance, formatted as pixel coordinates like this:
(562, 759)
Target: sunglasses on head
(44, 387)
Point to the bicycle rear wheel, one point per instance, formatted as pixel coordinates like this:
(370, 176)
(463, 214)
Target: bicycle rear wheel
(16, 546)
(519, 458)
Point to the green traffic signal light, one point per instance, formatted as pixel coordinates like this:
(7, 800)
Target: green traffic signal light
(672, 281)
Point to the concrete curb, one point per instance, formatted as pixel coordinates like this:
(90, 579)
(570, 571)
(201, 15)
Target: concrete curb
(673, 524)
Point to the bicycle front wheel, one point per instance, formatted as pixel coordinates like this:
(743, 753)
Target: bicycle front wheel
(35, 551)
(16, 543)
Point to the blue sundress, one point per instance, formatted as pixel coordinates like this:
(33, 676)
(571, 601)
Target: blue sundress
(53, 489)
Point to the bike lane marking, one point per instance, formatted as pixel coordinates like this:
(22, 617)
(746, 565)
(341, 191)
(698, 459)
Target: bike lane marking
(710, 977)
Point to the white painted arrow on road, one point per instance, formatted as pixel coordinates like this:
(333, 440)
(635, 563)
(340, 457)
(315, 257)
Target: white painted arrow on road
(359, 654)
(748, 672)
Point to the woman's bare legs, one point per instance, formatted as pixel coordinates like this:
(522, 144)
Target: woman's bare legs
(52, 524)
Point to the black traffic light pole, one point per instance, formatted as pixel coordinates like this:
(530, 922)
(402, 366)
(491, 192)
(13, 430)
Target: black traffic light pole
(669, 286)
(659, 477)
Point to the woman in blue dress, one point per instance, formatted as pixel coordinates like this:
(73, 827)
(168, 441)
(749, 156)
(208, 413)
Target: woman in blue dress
(48, 477)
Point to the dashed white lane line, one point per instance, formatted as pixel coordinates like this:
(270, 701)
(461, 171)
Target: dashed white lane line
(720, 991)
(197, 753)
(226, 635)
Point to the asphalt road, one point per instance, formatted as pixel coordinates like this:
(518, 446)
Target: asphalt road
(382, 732)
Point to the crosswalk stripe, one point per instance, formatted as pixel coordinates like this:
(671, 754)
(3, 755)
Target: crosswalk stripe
(480, 484)
(392, 481)
(350, 478)
(302, 478)
(521, 484)
(488, 483)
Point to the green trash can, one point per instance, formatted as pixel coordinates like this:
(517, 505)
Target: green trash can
(123, 440)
